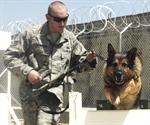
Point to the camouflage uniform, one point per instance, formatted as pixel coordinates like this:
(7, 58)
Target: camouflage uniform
(33, 49)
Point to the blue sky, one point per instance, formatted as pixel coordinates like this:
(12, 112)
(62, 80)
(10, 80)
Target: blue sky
(15, 10)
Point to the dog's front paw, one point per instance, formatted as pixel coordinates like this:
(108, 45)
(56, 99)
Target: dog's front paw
(117, 101)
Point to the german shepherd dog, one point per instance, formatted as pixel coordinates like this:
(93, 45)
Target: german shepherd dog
(122, 81)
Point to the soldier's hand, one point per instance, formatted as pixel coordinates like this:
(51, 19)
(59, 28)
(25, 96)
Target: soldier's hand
(91, 56)
(34, 77)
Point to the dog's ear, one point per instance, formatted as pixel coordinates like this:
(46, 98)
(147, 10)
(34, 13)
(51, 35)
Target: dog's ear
(111, 50)
(131, 54)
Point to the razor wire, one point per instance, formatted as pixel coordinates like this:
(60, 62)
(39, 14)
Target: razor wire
(85, 20)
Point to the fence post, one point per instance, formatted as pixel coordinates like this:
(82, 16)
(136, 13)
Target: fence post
(75, 108)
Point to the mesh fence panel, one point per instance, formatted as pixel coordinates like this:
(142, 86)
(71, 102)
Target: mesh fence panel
(3, 80)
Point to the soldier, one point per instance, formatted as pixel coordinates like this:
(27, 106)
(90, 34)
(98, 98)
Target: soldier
(41, 56)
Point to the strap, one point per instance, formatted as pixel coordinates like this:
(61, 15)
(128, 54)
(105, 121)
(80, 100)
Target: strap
(100, 57)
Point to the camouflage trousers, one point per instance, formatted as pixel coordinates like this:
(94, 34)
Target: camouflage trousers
(33, 115)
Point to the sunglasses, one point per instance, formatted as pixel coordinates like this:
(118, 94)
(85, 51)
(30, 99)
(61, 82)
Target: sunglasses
(58, 19)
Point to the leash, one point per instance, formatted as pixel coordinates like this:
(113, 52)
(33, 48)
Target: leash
(46, 111)
(51, 112)
(101, 57)
(69, 88)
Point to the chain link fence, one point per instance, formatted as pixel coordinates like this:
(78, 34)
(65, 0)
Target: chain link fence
(91, 85)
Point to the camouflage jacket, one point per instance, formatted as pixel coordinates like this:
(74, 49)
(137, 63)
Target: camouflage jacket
(32, 49)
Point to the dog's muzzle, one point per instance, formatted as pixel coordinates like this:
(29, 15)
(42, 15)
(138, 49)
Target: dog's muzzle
(119, 77)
